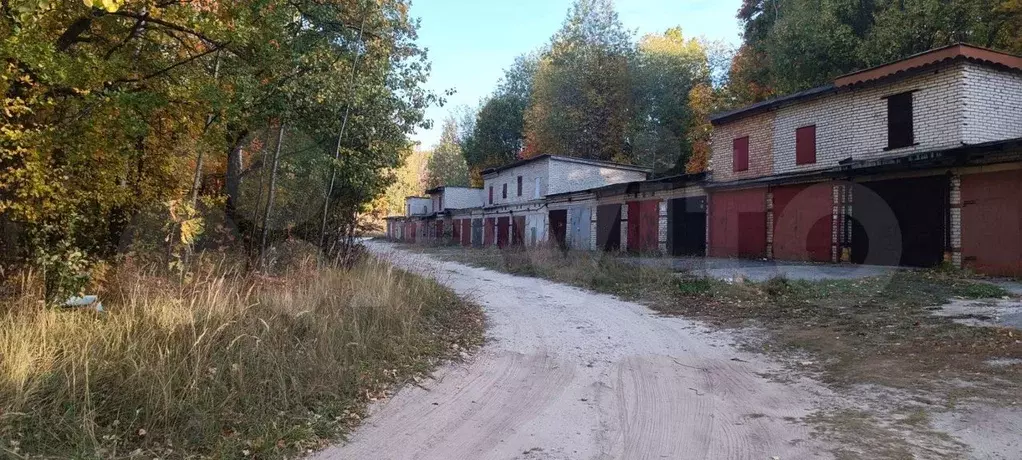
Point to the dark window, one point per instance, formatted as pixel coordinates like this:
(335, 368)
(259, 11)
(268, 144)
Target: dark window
(504, 193)
(519, 185)
(899, 121)
(491, 194)
(805, 145)
(741, 154)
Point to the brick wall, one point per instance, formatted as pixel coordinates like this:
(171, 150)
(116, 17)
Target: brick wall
(993, 105)
(759, 130)
(853, 123)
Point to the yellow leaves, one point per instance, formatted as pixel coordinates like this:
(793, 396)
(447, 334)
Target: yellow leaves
(108, 5)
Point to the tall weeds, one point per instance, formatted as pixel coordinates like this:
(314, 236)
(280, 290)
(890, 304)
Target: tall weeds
(223, 366)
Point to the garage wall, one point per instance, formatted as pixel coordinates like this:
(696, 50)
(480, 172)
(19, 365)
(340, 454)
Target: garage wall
(803, 222)
(738, 223)
(992, 222)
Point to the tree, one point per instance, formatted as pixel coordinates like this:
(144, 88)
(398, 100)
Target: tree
(666, 69)
(497, 136)
(581, 102)
(118, 113)
(446, 165)
(790, 45)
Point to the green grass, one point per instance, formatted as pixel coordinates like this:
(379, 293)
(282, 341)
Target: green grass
(226, 365)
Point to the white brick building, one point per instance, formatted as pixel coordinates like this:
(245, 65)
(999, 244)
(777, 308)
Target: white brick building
(892, 151)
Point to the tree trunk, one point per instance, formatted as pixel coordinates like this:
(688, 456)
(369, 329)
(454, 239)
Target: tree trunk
(340, 136)
(272, 195)
(233, 177)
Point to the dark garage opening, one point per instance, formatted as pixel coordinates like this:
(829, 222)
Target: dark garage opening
(608, 227)
(909, 216)
(686, 221)
(559, 227)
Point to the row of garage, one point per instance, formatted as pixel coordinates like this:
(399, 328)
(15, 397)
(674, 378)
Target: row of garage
(967, 217)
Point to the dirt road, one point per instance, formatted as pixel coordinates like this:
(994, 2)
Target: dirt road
(569, 374)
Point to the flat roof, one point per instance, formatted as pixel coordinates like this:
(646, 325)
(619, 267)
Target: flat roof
(444, 187)
(651, 185)
(585, 161)
(895, 69)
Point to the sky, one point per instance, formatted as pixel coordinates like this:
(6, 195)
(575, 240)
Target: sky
(471, 42)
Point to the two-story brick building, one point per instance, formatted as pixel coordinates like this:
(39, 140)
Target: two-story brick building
(916, 163)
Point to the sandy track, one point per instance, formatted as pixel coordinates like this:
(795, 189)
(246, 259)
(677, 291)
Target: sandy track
(569, 374)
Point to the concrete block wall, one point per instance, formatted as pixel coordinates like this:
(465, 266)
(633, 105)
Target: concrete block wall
(568, 176)
(461, 198)
(992, 103)
(529, 173)
(418, 206)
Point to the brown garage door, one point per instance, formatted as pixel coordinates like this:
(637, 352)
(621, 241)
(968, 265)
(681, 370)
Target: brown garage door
(503, 230)
(992, 223)
(803, 222)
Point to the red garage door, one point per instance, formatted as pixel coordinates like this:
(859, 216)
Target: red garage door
(456, 231)
(992, 223)
(440, 230)
(503, 231)
(803, 222)
(643, 226)
(466, 232)
(489, 231)
(738, 223)
(411, 232)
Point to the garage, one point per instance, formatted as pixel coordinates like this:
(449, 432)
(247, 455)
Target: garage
(477, 233)
(686, 223)
(803, 222)
(901, 222)
(489, 231)
(738, 224)
(580, 222)
(992, 223)
(518, 231)
(559, 228)
(608, 227)
(466, 232)
(643, 226)
(503, 231)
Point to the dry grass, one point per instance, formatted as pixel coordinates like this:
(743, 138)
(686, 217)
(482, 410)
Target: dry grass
(222, 366)
(874, 330)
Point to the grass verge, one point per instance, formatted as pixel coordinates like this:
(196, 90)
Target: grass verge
(869, 331)
(226, 365)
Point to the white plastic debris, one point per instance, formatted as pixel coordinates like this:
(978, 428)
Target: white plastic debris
(86, 301)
